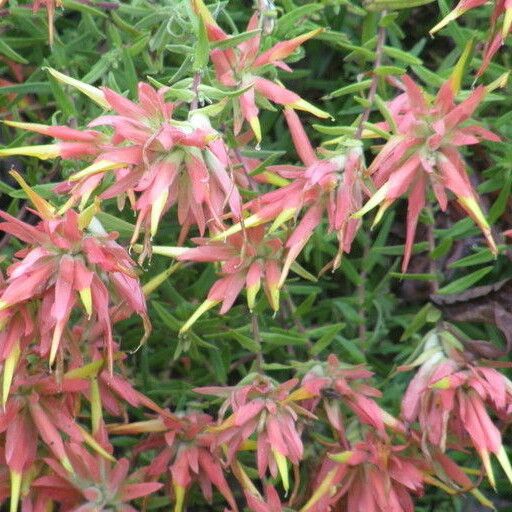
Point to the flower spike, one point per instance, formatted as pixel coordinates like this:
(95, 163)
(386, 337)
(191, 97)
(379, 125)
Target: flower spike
(426, 150)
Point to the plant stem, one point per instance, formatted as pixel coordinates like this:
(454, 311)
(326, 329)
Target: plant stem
(257, 338)
(434, 285)
(195, 89)
(379, 51)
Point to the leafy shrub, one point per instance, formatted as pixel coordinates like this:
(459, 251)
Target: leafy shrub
(195, 312)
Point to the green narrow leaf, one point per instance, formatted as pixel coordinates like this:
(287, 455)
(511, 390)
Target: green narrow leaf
(397, 250)
(427, 314)
(6, 189)
(202, 49)
(482, 256)
(166, 317)
(218, 366)
(442, 248)
(415, 277)
(500, 205)
(289, 21)
(219, 94)
(269, 160)
(123, 25)
(402, 56)
(45, 191)
(305, 306)
(275, 366)
(391, 5)
(100, 68)
(84, 8)
(463, 283)
(351, 348)
(427, 76)
(302, 272)
(244, 341)
(334, 130)
(113, 223)
(347, 267)
(389, 70)
(26, 88)
(281, 340)
(139, 46)
(327, 338)
(233, 41)
(378, 131)
(386, 114)
(6, 50)
(349, 89)
(63, 100)
(129, 72)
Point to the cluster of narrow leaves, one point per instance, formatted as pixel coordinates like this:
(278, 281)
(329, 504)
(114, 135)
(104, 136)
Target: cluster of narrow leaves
(324, 440)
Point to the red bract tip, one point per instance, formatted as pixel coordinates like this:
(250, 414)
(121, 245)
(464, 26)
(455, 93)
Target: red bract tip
(248, 260)
(94, 484)
(425, 150)
(272, 413)
(65, 265)
(371, 475)
(186, 455)
(451, 400)
(243, 69)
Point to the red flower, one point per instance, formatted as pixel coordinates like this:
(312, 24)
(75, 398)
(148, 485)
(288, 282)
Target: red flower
(38, 414)
(184, 452)
(242, 67)
(501, 15)
(93, 484)
(373, 475)
(158, 161)
(17, 330)
(248, 260)
(271, 413)
(450, 398)
(65, 264)
(110, 392)
(336, 384)
(330, 186)
(425, 150)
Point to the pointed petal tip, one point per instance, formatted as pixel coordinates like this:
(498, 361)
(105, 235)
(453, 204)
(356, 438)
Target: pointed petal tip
(505, 462)
(97, 95)
(98, 167)
(380, 213)
(282, 467)
(254, 122)
(157, 211)
(43, 152)
(306, 106)
(86, 298)
(46, 210)
(9, 369)
(203, 308)
(507, 22)
(486, 460)
(375, 200)
(453, 15)
(16, 477)
(250, 222)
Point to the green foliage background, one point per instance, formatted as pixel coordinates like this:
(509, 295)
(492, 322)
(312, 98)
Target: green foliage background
(366, 312)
